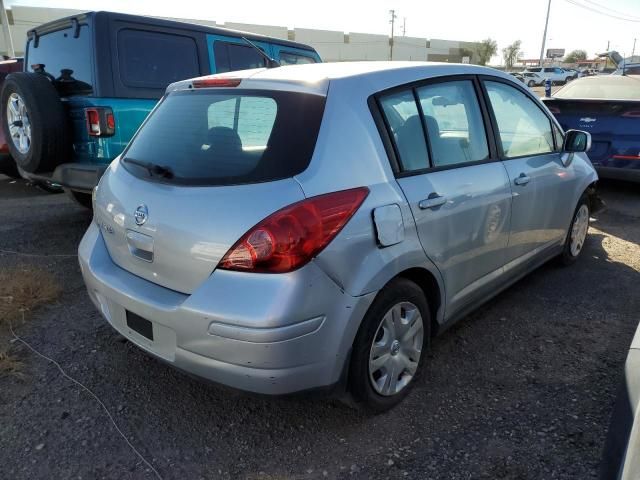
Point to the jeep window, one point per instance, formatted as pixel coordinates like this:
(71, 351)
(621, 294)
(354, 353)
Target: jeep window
(227, 137)
(231, 56)
(288, 58)
(67, 59)
(154, 59)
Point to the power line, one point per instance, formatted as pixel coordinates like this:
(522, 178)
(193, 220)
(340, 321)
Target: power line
(616, 12)
(592, 9)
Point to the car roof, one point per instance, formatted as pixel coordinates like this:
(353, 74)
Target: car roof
(65, 22)
(373, 76)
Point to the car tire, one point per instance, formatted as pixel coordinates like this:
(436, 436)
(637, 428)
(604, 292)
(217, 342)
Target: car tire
(40, 141)
(80, 198)
(387, 361)
(577, 233)
(531, 84)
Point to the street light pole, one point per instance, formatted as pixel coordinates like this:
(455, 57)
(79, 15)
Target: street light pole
(544, 35)
(392, 22)
(5, 29)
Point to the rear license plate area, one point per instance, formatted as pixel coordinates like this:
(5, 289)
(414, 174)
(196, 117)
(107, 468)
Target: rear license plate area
(140, 325)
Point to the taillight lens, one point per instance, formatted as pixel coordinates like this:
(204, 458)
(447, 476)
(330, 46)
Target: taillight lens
(100, 121)
(632, 114)
(289, 238)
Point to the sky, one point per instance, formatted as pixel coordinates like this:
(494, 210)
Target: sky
(570, 26)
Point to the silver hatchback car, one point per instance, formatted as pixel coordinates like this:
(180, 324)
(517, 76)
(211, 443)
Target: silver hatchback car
(314, 226)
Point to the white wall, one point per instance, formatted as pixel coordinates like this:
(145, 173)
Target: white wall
(331, 45)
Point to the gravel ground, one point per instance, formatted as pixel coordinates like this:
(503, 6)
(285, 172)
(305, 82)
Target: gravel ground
(521, 389)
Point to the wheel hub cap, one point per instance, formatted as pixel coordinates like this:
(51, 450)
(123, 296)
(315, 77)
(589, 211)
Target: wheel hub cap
(579, 230)
(396, 347)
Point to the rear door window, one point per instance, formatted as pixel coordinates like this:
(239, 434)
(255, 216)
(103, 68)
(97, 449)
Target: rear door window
(227, 137)
(154, 60)
(454, 123)
(230, 57)
(68, 59)
(403, 118)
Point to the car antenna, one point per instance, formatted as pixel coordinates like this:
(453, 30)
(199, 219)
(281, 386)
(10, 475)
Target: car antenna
(271, 62)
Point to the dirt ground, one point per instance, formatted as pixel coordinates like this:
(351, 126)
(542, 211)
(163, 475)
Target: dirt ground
(521, 389)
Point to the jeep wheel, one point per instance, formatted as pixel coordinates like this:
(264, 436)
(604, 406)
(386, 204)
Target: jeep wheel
(34, 122)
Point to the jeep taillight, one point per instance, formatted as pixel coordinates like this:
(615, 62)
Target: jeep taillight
(292, 236)
(100, 121)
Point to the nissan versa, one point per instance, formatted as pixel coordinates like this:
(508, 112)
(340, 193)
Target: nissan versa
(314, 226)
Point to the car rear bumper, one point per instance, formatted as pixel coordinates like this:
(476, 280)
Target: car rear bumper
(81, 177)
(617, 173)
(269, 334)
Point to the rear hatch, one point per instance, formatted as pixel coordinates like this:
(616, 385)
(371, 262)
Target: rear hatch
(207, 165)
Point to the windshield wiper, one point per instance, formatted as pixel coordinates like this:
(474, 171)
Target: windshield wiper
(152, 168)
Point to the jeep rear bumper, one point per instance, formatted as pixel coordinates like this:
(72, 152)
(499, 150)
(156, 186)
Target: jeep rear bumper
(80, 177)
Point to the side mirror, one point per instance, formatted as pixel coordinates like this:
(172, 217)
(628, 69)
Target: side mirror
(576, 141)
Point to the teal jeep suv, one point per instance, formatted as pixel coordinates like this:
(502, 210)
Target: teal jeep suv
(91, 79)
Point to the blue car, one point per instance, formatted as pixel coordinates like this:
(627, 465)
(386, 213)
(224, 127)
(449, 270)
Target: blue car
(608, 107)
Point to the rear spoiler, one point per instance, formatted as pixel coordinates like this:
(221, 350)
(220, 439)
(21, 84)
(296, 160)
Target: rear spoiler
(74, 22)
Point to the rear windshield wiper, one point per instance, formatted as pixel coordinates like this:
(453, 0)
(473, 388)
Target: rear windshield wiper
(152, 168)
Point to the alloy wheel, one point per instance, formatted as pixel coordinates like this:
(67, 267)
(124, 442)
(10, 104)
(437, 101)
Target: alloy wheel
(19, 124)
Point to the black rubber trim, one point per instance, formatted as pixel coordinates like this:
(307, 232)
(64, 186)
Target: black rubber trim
(78, 176)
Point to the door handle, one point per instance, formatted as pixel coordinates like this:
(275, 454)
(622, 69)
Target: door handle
(522, 179)
(432, 201)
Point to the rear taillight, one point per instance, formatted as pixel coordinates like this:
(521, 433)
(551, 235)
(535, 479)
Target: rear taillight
(205, 82)
(100, 121)
(632, 114)
(289, 238)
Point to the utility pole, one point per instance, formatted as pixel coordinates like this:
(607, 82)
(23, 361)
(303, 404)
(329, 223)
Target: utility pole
(404, 26)
(393, 23)
(544, 35)
(5, 29)
(633, 50)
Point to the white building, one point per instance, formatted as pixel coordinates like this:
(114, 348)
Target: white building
(331, 45)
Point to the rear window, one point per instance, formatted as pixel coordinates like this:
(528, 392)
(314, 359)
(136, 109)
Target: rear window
(154, 59)
(606, 87)
(228, 137)
(66, 58)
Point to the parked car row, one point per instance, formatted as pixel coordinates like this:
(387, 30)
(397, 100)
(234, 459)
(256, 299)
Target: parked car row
(557, 75)
(308, 226)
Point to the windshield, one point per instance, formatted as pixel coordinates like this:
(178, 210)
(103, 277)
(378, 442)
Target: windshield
(605, 87)
(225, 137)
